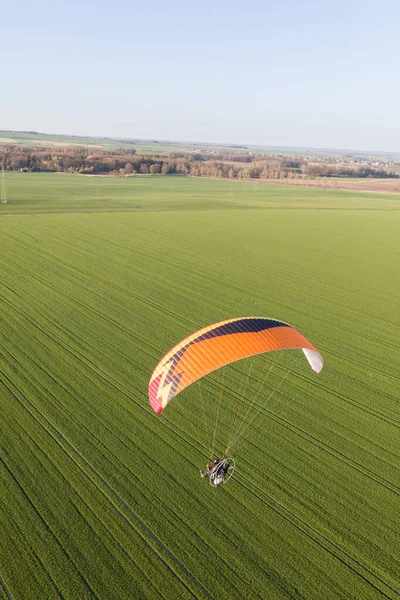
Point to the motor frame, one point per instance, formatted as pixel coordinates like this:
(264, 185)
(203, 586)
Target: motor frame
(217, 477)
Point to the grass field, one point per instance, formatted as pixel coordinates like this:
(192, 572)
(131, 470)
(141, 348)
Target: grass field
(100, 497)
(142, 146)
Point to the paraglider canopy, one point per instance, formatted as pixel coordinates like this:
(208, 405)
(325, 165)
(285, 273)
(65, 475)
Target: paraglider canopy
(220, 344)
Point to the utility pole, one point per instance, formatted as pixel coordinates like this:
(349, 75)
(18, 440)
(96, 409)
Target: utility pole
(3, 186)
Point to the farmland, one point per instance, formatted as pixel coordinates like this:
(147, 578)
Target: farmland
(143, 146)
(100, 497)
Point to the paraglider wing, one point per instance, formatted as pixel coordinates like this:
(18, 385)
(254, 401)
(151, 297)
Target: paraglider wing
(220, 344)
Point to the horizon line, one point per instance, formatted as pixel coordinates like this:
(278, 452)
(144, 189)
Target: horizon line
(201, 143)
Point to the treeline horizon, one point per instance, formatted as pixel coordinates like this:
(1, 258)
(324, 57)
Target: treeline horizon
(125, 162)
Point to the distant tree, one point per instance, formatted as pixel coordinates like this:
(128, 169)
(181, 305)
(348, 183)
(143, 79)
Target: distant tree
(291, 164)
(154, 169)
(18, 161)
(182, 167)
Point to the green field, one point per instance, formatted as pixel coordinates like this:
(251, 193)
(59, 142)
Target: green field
(141, 146)
(100, 497)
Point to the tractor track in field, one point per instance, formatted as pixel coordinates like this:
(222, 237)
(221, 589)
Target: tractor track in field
(315, 536)
(328, 545)
(80, 357)
(5, 590)
(389, 485)
(138, 481)
(296, 521)
(120, 506)
(232, 392)
(108, 319)
(350, 462)
(74, 305)
(147, 302)
(88, 508)
(135, 477)
(121, 388)
(391, 376)
(114, 383)
(331, 547)
(344, 398)
(119, 499)
(258, 272)
(355, 403)
(47, 528)
(296, 430)
(335, 453)
(268, 413)
(306, 529)
(85, 307)
(159, 308)
(263, 410)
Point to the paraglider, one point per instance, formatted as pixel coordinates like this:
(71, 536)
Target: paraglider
(213, 347)
(218, 470)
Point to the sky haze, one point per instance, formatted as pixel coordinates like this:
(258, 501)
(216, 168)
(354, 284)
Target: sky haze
(317, 74)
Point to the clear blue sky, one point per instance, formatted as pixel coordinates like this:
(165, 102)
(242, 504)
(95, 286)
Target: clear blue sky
(311, 73)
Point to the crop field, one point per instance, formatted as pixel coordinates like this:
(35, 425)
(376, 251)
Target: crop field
(142, 146)
(102, 498)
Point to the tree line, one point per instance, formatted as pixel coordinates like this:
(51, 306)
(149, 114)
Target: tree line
(125, 162)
